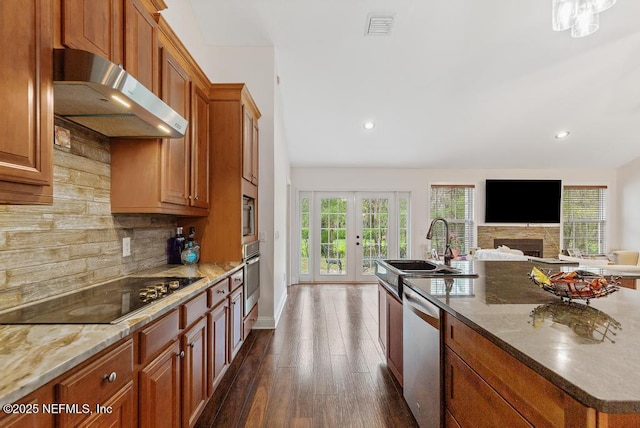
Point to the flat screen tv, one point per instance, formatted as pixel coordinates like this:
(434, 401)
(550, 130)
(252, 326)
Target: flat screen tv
(523, 201)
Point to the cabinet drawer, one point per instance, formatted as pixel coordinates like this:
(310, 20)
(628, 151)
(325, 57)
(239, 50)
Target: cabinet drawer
(194, 309)
(97, 382)
(154, 338)
(218, 292)
(471, 401)
(237, 279)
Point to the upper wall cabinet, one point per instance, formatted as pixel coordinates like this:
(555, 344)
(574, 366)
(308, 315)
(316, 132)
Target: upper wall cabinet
(94, 26)
(141, 45)
(169, 176)
(176, 92)
(26, 101)
(249, 144)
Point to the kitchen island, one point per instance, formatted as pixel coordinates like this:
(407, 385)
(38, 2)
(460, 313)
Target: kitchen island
(42, 358)
(521, 338)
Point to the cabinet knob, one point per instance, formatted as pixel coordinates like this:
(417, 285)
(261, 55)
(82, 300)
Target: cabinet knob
(111, 377)
(220, 291)
(191, 345)
(181, 354)
(196, 198)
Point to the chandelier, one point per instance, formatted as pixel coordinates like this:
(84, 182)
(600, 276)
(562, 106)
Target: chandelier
(581, 16)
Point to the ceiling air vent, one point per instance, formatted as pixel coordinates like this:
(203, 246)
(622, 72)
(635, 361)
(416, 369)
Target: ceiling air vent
(378, 25)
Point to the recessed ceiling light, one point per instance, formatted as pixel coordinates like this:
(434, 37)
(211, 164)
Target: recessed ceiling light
(562, 134)
(369, 125)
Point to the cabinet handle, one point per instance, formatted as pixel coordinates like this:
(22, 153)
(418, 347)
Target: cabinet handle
(220, 291)
(111, 377)
(181, 354)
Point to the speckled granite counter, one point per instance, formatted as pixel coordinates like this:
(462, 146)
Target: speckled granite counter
(591, 352)
(32, 355)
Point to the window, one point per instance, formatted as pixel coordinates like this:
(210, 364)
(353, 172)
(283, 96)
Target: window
(454, 204)
(584, 219)
(304, 235)
(403, 227)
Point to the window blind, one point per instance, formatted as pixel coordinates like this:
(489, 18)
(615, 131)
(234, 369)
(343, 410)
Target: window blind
(454, 203)
(584, 218)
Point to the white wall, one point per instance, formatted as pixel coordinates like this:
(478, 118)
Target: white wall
(629, 205)
(254, 66)
(417, 182)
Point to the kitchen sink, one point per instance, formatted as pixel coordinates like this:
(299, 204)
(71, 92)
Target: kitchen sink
(392, 272)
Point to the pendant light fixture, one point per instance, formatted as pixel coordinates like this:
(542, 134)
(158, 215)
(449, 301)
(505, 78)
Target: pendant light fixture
(581, 16)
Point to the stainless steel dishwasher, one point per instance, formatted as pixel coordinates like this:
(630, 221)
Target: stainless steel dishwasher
(421, 358)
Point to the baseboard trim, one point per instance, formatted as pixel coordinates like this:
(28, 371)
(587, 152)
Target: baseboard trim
(268, 323)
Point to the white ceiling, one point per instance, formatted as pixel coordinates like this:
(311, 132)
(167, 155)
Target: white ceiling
(457, 84)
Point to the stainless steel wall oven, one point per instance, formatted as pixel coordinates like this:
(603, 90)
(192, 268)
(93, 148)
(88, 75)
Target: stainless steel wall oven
(251, 275)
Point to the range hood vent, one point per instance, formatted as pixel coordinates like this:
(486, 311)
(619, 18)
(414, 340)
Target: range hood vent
(97, 94)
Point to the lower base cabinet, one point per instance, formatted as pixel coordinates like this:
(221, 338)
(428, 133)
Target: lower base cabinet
(390, 333)
(159, 399)
(101, 393)
(160, 376)
(194, 372)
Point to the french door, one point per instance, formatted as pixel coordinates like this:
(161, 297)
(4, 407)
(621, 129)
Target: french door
(344, 233)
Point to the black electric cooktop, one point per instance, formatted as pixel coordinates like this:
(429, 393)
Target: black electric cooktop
(102, 304)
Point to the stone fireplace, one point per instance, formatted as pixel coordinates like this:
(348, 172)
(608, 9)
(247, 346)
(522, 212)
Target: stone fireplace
(536, 241)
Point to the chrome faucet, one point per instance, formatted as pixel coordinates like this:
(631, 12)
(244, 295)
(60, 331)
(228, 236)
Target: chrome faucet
(448, 254)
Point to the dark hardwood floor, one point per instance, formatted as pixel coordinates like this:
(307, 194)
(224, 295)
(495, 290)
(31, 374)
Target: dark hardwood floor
(322, 367)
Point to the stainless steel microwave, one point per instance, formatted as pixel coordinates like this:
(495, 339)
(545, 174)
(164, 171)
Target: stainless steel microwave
(248, 216)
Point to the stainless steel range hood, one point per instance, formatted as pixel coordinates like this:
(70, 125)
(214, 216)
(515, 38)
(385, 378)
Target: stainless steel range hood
(102, 96)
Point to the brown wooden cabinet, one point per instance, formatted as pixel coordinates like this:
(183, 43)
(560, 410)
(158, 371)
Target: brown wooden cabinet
(236, 338)
(176, 92)
(194, 372)
(94, 26)
(218, 318)
(160, 389)
(250, 136)
(169, 176)
(105, 382)
(390, 333)
(199, 172)
(141, 45)
(382, 318)
(26, 97)
(36, 399)
(485, 386)
(234, 122)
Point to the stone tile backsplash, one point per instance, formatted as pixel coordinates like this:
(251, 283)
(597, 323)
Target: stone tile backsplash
(75, 242)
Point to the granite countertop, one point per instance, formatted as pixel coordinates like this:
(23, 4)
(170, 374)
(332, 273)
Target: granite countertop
(592, 352)
(33, 355)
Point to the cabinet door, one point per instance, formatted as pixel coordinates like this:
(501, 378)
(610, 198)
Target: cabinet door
(382, 319)
(247, 144)
(218, 336)
(175, 151)
(194, 372)
(394, 337)
(36, 399)
(26, 96)
(200, 150)
(160, 390)
(94, 26)
(236, 319)
(255, 152)
(117, 411)
(141, 45)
